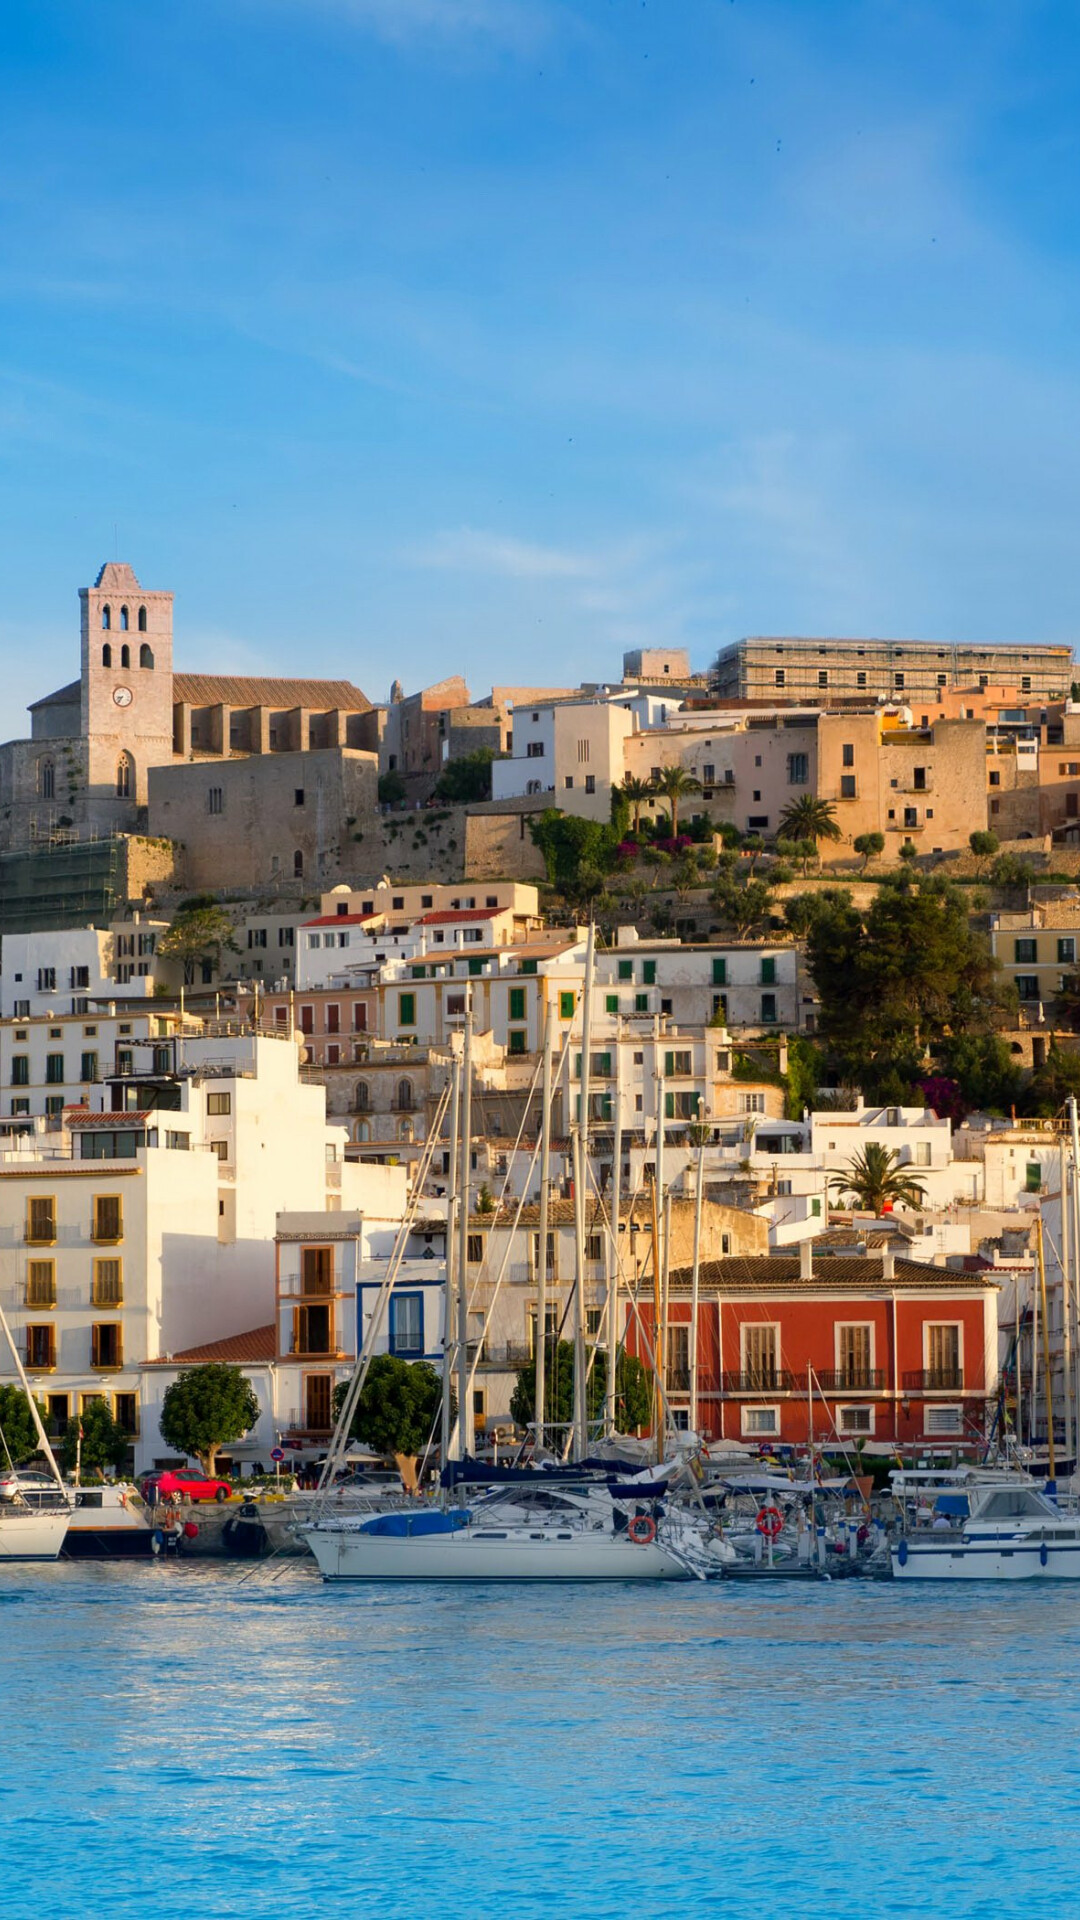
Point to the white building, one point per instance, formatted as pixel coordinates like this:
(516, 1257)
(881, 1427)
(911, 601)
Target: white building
(921, 1139)
(52, 1062)
(745, 985)
(76, 969)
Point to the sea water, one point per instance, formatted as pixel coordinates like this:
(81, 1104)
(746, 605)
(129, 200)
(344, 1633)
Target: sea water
(198, 1740)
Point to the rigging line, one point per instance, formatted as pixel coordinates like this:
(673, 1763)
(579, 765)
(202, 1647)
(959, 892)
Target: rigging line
(365, 1354)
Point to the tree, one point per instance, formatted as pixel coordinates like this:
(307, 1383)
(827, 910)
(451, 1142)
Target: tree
(398, 1410)
(809, 819)
(207, 1408)
(869, 845)
(1068, 999)
(392, 789)
(633, 1401)
(17, 1425)
(1051, 1085)
(983, 846)
(466, 779)
(636, 792)
(200, 930)
(983, 1069)
(575, 851)
(875, 1178)
(673, 783)
(686, 876)
(103, 1444)
(743, 907)
(1011, 873)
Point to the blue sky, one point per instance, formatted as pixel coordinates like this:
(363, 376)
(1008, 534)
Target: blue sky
(406, 337)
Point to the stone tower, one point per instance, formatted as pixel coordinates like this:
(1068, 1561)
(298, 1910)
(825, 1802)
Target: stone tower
(126, 694)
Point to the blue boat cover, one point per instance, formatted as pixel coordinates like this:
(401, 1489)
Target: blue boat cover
(957, 1503)
(430, 1520)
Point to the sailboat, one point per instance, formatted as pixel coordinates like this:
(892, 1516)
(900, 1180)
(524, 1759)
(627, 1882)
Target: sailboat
(539, 1528)
(33, 1523)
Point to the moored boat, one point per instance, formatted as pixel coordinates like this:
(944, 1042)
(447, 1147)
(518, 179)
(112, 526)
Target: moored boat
(109, 1522)
(986, 1527)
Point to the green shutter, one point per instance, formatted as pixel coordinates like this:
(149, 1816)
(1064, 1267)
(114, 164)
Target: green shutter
(719, 972)
(641, 1003)
(607, 1110)
(626, 969)
(527, 966)
(406, 1010)
(648, 973)
(577, 1066)
(517, 1040)
(475, 967)
(669, 1106)
(567, 1002)
(768, 973)
(417, 973)
(603, 1065)
(517, 1003)
(611, 1003)
(669, 1064)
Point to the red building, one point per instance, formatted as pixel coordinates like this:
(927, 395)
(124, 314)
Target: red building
(334, 1022)
(878, 1348)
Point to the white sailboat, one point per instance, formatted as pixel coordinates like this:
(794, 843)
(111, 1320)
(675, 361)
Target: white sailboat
(33, 1525)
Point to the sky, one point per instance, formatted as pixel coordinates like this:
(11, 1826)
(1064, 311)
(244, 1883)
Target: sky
(402, 338)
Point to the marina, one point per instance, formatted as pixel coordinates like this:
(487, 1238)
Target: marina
(260, 1739)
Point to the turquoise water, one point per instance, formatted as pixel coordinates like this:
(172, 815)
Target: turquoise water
(199, 1740)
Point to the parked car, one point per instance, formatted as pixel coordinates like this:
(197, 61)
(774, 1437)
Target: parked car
(186, 1483)
(29, 1487)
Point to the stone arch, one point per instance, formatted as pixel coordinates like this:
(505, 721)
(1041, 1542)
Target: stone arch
(106, 655)
(142, 619)
(125, 777)
(362, 1098)
(146, 657)
(123, 619)
(46, 771)
(125, 655)
(106, 618)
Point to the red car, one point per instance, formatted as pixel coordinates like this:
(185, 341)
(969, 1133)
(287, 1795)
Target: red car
(190, 1483)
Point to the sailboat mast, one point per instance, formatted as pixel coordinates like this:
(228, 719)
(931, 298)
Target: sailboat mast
(43, 1438)
(463, 1239)
(540, 1339)
(581, 1418)
(1074, 1138)
(659, 1255)
(612, 1244)
(449, 1303)
(695, 1277)
(1066, 1296)
(1046, 1346)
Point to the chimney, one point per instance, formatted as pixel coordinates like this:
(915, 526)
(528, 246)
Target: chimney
(806, 1259)
(888, 1264)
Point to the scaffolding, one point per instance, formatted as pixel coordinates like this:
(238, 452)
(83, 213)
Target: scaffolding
(62, 882)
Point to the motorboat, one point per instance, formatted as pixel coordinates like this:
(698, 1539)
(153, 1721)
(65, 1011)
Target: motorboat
(547, 1532)
(982, 1526)
(109, 1522)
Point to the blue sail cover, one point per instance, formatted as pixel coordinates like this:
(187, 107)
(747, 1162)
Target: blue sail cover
(405, 1525)
(478, 1473)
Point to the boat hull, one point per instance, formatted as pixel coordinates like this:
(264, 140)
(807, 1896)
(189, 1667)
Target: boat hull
(472, 1555)
(37, 1534)
(109, 1543)
(1022, 1560)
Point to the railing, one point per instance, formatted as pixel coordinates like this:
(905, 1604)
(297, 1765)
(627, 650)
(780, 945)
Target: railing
(678, 1379)
(852, 1380)
(934, 1380)
(760, 1380)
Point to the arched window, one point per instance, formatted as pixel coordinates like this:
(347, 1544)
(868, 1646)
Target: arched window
(46, 779)
(106, 618)
(123, 777)
(146, 658)
(405, 1130)
(404, 1095)
(298, 865)
(123, 619)
(362, 1130)
(142, 619)
(125, 655)
(363, 1096)
(106, 655)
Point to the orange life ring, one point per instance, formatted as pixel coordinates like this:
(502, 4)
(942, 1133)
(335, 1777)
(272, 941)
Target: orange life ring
(770, 1522)
(642, 1530)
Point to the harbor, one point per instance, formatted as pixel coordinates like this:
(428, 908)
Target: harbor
(257, 1738)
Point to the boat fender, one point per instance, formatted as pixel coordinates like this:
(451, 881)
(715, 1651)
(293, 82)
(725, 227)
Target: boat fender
(157, 1540)
(123, 1499)
(191, 1530)
(642, 1530)
(1043, 1555)
(902, 1553)
(770, 1522)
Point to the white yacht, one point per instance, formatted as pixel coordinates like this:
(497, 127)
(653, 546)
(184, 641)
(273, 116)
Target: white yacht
(565, 1532)
(984, 1526)
(32, 1532)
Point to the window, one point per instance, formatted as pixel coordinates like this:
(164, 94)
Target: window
(534, 750)
(474, 1250)
(853, 1354)
(108, 1288)
(641, 1003)
(1033, 1177)
(41, 1348)
(611, 1003)
(943, 1356)
(256, 937)
(41, 1221)
(798, 769)
(567, 1003)
(768, 1008)
(404, 1098)
(298, 865)
(995, 779)
(823, 677)
(626, 969)
(106, 1346)
(54, 1105)
(1027, 986)
(648, 973)
(679, 1063)
(219, 1103)
(108, 1217)
(682, 1106)
(123, 619)
(708, 774)
(911, 816)
(760, 1420)
(406, 1009)
(307, 1019)
(146, 658)
(20, 1069)
(855, 1419)
(41, 1283)
(719, 971)
(517, 1040)
(106, 618)
(943, 1420)
(46, 779)
(220, 1148)
(123, 777)
(1026, 952)
(847, 753)
(568, 781)
(407, 1323)
(760, 1348)
(860, 679)
(918, 779)
(752, 1103)
(847, 786)
(20, 1106)
(46, 980)
(1066, 952)
(898, 681)
(779, 677)
(298, 796)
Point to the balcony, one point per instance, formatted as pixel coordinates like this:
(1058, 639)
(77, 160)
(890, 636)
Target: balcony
(677, 1379)
(852, 1380)
(935, 1380)
(761, 1380)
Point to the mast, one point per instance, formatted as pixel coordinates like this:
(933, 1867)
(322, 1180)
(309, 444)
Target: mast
(612, 1244)
(1066, 1297)
(659, 1254)
(545, 1194)
(463, 1238)
(451, 1232)
(1046, 1347)
(1074, 1136)
(695, 1277)
(581, 1418)
(43, 1438)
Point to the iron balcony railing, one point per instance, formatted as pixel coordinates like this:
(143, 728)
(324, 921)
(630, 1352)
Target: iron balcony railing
(934, 1380)
(852, 1380)
(759, 1380)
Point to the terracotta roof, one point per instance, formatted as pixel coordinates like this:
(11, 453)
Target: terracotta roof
(343, 920)
(441, 918)
(82, 1117)
(233, 690)
(770, 1272)
(259, 1344)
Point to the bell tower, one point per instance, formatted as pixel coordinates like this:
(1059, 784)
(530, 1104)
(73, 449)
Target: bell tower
(126, 701)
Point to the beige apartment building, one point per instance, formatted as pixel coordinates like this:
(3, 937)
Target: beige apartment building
(1036, 949)
(824, 670)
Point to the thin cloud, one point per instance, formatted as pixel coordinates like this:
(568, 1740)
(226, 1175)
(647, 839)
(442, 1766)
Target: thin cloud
(470, 550)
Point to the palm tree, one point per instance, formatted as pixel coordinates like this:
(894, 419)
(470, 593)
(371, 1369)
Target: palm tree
(809, 819)
(875, 1178)
(674, 783)
(635, 792)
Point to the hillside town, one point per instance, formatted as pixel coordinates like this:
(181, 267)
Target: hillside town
(758, 985)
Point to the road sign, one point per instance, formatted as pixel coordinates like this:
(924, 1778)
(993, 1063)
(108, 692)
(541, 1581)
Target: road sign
(277, 1453)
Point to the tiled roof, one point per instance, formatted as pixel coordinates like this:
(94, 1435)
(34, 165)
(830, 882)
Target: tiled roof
(233, 690)
(82, 1117)
(770, 1272)
(343, 920)
(448, 914)
(259, 1344)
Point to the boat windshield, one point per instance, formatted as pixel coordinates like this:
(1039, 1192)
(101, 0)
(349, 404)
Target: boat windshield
(1014, 1503)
